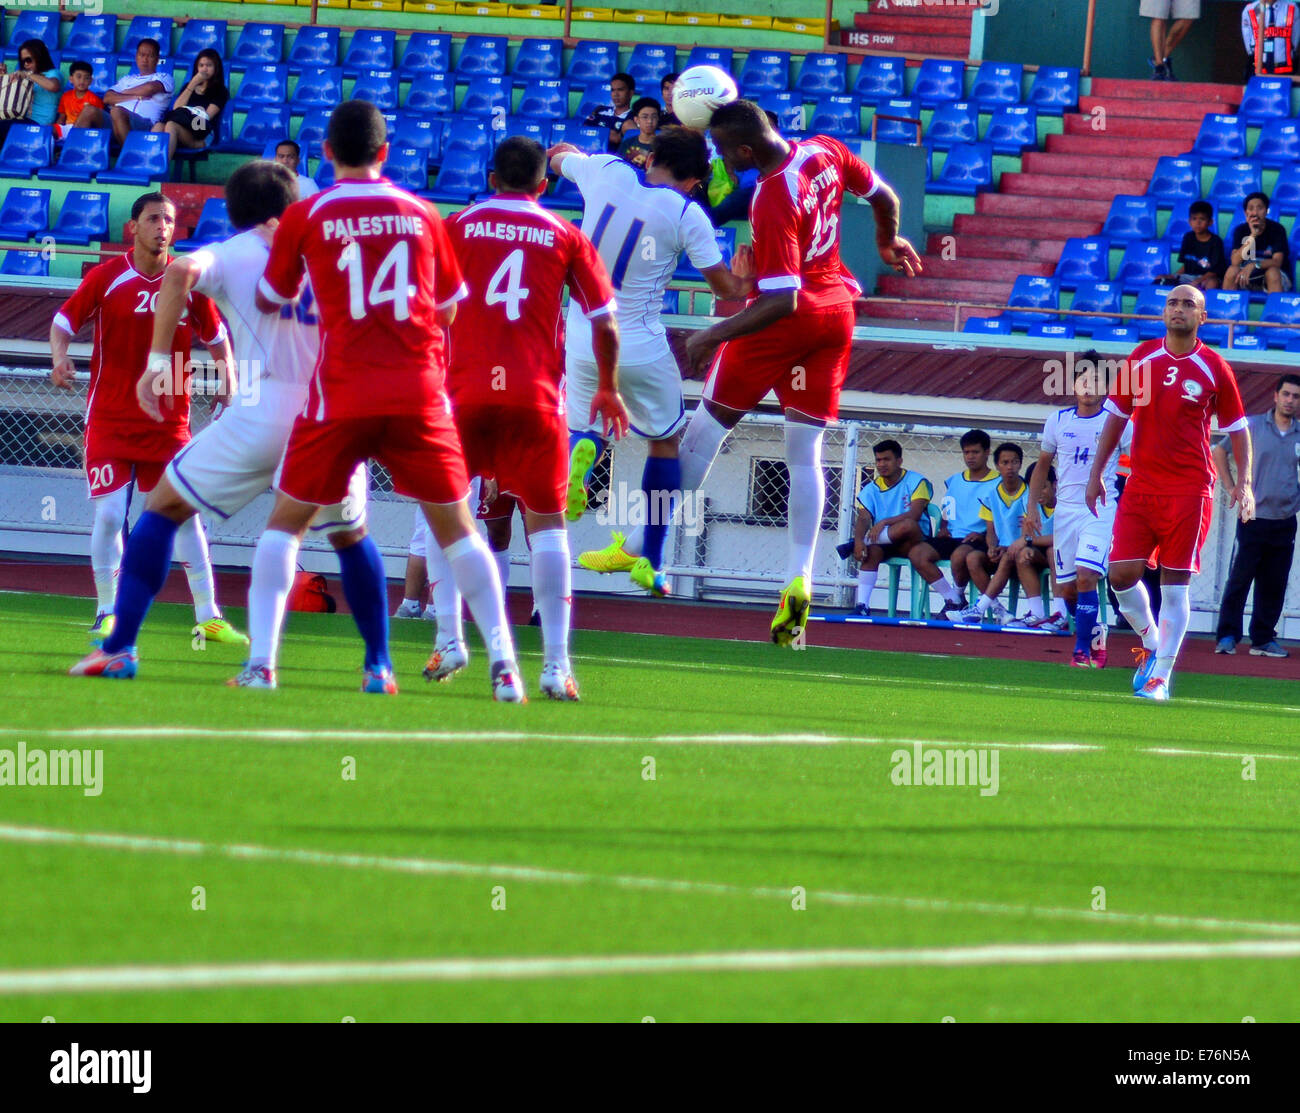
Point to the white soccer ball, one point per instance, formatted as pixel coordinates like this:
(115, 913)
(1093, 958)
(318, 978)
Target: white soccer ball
(699, 91)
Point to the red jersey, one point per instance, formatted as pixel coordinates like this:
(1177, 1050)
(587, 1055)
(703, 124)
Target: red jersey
(795, 215)
(121, 301)
(1171, 400)
(507, 341)
(380, 268)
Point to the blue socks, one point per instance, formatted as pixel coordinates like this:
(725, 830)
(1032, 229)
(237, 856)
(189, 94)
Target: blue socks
(1085, 620)
(366, 589)
(595, 439)
(661, 478)
(145, 565)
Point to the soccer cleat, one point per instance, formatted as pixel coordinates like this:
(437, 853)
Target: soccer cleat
(220, 631)
(557, 683)
(1226, 645)
(950, 612)
(429, 614)
(1268, 649)
(643, 575)
(1145, 661)
(1154, 689)
(1058, 623)
(379, 682)
(1099, 655)
(612, 558)
(103, 627)
(407, 609)
(507, 686)
(1099, 658)
(253, 676)
(1081, 660)
(447, 660)
(581, 460)
(862, 611)
(1024, 622)
(1001, 616)
(970, 614)
(792, 612)
(115, 666)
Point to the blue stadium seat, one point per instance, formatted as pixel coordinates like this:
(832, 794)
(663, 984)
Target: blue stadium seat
(822, 75)
(1052, 330)
(421, 132)
(83, 155)
(880, 79)
(1032, 292)
(988, 326)
(1279, 144)
(213, 226)
(324, 175)
(997, 85)
(466, 135)
(146, 27)
(1232, 182)
(1266, 98)
(379, 87)
(1220, 139)
(313, 47)
(1083, 259)
(104, 75)
(1096, 297)
(592, 61)
(1241, 339)
(590, 140)
(263, 83)
(545, 100)
(788, 108)
(539, 130)
(259, 44)
(967, 170)
(26, 264)
(1285, 198)
(407, 167)
(939, 80)
(648, 64)
(765, 71)
(312, 129)
(486, 95)
(593, 97)
(726, 241)
(1124, 334)
(434, 93)
(564, 195)
(28, 147)
(481, 55)
(33, 25)
(318, 87)
(953, 123)
(1280, 309)
(1179, 225)
(897, 130)
(538, 60)
(1175, 179)
(24, 213)
(836, 115)
(1230, 305)
(719, 56)
(1013, 130)
(369, 50)
(1131, 218)
(1055, 90)
(463, 174)
(672, 298)
(426, 52)
(92, 34)
(262, 124)
(200, 34)
(1151, 303)
(1143, 263)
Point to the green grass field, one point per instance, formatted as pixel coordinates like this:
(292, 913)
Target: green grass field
(626, 897)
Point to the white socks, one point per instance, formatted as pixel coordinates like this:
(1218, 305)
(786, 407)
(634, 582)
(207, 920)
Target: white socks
(503, 567)
(446, 598)
(866, 585)
(1175, 614)
(275, 560)
(948, 591)
(1135, 605)
(985, 604)
(192, 551)
(1035, 604)
(106, 546)
(552, 590)
(803, 444)
(476, 578)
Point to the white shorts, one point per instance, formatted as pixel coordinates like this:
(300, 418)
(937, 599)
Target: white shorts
(1170, 9)
(234, 460)
(1081, 539)
(652, 393)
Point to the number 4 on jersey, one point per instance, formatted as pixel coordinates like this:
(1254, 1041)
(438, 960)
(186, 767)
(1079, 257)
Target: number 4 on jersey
(506, 285)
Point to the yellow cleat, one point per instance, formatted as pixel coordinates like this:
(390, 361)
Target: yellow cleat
(643, 575)
(792, 614)
(220, 631)
(612, 558)
(581, 460)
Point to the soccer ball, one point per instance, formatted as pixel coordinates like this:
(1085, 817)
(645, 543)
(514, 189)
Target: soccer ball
(699, 91)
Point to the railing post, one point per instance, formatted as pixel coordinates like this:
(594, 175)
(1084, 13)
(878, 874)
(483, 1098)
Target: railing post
(1086, 69)
(848, 496)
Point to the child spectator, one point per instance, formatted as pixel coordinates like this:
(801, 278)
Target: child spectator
(1201, 256)
(1033, 552)
(1002, 510)
(637, 146)
(892, 517)
(193, 116)
(79, 107)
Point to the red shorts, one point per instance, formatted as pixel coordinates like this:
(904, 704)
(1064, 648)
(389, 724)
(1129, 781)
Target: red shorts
(503, 506)
(1164, 530)
(803, 357)
(113, 459)
(421, 452)
(526, 451)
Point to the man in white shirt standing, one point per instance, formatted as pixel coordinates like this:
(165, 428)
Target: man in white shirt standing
(138, 100)
(289, 155)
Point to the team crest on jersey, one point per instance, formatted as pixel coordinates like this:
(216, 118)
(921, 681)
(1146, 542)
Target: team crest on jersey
(1192, 390)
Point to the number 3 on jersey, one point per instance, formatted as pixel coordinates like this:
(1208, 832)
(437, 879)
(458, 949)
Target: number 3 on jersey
(397, 263)
(506, 285)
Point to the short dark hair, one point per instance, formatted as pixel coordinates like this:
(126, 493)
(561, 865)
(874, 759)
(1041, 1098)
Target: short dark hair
(150, 42)
(627, 80)
(1051, 472)
(667, 78)
(258, 191)
(976, 436)
(888, 446)
(1009, 446)
(1288, 379)
(682, 152)
(297, 150)
(744, 120)
(520, 163)
(774, 120)
(357, 132)
(1202, 208)
(1251, 196)
(145, 199)
(81, 67)
(646, 102)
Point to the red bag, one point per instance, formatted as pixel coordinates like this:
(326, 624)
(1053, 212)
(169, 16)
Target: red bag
(309, 594)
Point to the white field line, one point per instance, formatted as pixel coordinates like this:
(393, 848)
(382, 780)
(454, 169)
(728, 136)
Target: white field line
(544, 875)
(120, 979)
(1170, 751)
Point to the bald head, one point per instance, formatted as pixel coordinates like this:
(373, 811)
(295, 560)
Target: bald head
(1184, 310)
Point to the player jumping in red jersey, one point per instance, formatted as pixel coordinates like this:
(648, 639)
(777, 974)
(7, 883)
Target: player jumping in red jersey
(794, 335)
(122, 443)
(1171, 389)
(386, 283)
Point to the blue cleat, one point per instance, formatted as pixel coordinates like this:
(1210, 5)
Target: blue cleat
(379, 682)
(1145, 661)
(115, 666)
(1155, 689)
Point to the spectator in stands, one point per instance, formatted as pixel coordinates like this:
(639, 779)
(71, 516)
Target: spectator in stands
(637, 145)
(1165, 38)
(666, 118)
(289, 154)
(1033, 552)
(139, 100)
(36, 67)
(79, 107)
(1271, 31)
(196, 110)
(1003, 512)
(893, 515)
(1201, 258)
(1259, 251)
(1266, 545)
(615, 117)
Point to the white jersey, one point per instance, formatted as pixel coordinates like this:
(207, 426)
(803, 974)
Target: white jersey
(1074, 441)
(640, 232)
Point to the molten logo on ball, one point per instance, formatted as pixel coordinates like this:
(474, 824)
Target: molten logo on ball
(698, 92)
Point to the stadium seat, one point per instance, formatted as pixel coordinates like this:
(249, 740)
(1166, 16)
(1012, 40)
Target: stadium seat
(92, 34)
(538, 130)
(726, 241)
(672, 298)
(967, 170)
(27, 147)
(1083, 259)
(426, 52)
(1243, 340)
(1279, 309)
(83, 155)
(146, 27)
(545, 100)
(421, 132)
(1131, 217)
(466, 135)
(989, 326)
(1232, 182)
(880, 80)
(1175, 179)
(318, 87)
(24, 213)
(592, 62)
(648, 64)
(324, 176)
(197, 35)
(719, 56)
(379, 87)
(312, 129)
(1096, 297)
(765, 71)
(462, 176)
(314, 47)
(26, 264)
(839, 116)
(1151, 303)
(1143, 263)
(538, 60)
(1124, 334)
(593, 97)
(262, 124)
(822, 75)
(1279, 144)
(259, 44)
(590, 140)
(1012, 130)
(897, 129)
(953, 123)
(1229, 305)
(104, 71)
(997, 85)
(486, 96)
(143, 160)
(34, 25)
(939, 81)
(788, 108)
(369, 50)
(481, 55)
(1055, 90)
(1285, 198)
(1051, 330)
(564, 195)
(1220, 139)
(1032, 292)
(213, 226)
(263, 83)
(434, 93)
(1266, 98)
(407, 167)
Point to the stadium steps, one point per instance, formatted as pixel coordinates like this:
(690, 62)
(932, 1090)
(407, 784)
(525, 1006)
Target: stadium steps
(899, 27)
(984, 268)
(1133, 127)
(1079, 166)
(1110, 146)
(1168, 93)
(978, 290)
(1049, 208)
(1150, 108)
(1026, 246)
(1070, 185)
